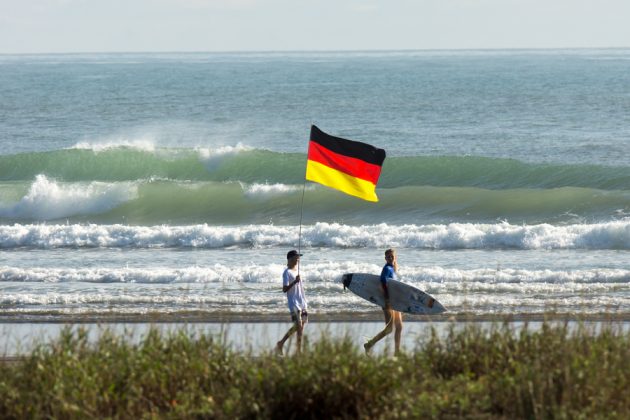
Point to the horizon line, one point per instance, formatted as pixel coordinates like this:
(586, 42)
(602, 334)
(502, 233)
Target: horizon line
(315, 51)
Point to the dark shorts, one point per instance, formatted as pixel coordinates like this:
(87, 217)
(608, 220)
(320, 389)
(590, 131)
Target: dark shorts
(303, 315)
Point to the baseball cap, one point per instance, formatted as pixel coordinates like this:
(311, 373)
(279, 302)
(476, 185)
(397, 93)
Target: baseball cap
(293, 253)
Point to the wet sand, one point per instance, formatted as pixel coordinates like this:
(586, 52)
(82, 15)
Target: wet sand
(230, 317)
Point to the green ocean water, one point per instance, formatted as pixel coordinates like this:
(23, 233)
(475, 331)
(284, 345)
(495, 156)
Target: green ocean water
(129, 185)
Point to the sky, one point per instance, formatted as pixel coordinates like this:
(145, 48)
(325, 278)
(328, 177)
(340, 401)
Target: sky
(73, 26)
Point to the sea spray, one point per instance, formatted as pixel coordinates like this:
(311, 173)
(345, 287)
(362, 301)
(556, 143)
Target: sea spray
(47, 199)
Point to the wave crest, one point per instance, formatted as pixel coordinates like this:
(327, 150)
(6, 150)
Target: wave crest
(131, 160)
(47, 199)
(610, 235)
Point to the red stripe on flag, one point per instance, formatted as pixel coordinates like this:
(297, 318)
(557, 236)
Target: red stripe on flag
(352, 166)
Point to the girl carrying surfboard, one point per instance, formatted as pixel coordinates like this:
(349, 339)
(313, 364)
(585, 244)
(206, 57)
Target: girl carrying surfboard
(393, 319)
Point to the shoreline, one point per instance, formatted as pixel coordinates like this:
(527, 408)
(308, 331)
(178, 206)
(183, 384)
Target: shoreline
(238, 317)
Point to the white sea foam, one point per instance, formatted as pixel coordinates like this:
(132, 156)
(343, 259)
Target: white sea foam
(133, 302)
(248, 287)
(328, 276)
(146, 144)
(211, 158)
(75, 200)
(220, 287)
(209, 153)
(47, 199)
(213, 274)
(269, 190)
(514, 276)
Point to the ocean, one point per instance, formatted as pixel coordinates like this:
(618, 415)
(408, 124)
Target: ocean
(147, 185)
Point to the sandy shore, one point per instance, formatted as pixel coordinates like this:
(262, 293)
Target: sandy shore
(229, 317)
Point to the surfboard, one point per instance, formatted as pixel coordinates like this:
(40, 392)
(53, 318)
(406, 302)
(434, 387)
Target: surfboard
(402, 297)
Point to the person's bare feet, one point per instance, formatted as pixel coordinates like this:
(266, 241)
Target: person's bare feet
(367, 348)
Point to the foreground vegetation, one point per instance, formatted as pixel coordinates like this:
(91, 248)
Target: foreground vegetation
(552, 372)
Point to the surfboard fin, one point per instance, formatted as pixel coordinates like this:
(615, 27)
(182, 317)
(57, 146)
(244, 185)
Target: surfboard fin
(346, 279)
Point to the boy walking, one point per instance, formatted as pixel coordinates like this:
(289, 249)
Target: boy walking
(292, 286)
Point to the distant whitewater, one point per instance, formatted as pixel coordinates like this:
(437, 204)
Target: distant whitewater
(610, 235)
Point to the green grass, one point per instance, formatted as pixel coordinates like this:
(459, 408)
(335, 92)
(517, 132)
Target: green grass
(551, 372)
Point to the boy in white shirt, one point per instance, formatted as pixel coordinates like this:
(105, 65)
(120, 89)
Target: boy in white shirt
(292, 286)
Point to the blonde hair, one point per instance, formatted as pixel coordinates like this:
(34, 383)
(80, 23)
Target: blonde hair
(395, 262)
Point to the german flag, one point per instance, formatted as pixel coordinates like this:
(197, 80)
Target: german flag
(346, 165)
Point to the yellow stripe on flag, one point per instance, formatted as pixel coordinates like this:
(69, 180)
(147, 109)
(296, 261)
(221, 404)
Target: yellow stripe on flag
(333, 178)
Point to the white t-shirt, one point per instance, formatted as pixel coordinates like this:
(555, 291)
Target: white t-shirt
(295, 295)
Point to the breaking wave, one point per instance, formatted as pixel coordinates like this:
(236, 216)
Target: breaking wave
(610, 235)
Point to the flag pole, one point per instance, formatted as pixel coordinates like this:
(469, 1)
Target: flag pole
(300, 232)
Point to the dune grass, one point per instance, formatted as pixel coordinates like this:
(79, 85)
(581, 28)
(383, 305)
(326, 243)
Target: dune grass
(551, 372)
